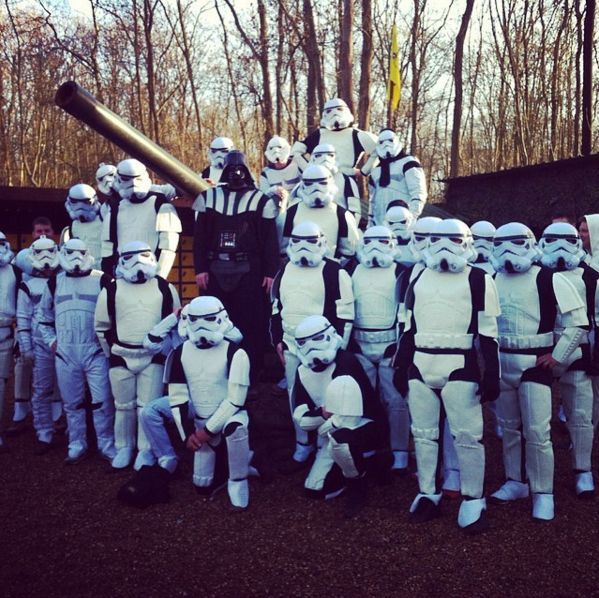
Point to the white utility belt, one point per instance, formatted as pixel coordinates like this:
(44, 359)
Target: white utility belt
(362, 335)
(531, 341)
(424, 340)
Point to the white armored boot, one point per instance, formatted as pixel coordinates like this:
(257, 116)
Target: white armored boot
(585, 486)
(472, 516)
(542, 507)
(510, 490)
(239, 494)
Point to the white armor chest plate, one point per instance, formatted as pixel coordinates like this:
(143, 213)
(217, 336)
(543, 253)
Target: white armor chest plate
(519, 301)
(206, 374)
(443, 303)
(326, 218)
(485, 267)
(74, 306)
(316, 383)
(91, 234)
(374, 293)
(138, 309)
(343, 143)
(287, 177)
(137, 222)
(8, 297)
(302, 294)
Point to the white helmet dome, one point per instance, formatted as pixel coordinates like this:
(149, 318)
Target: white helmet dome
(377, 247)
(218, 150)
(449, 246)
(388, 144)
(325, 154)
(75, 257)
(344, 397)
(132, 180)
(561, 247)
(137, 262)
(422, 229)
(207, 321)
(336, 115)
(278, 150)
(514, 248)
(483, 232)
(43, 254)
(317, 188)
(400, 221)
(317, 342)
(105, 178)
(6, 254)
(307, 245)
(82, 203)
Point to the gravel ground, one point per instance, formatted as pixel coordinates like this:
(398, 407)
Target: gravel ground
(64, 534)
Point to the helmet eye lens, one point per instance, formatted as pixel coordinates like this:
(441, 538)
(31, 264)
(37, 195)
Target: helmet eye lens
(419, 237)
(210, 318)
(318, 337)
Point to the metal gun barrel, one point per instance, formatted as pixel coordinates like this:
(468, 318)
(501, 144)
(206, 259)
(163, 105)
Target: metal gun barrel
(84, 107)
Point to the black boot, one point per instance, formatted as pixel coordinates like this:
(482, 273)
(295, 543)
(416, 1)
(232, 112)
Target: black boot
(357, 496)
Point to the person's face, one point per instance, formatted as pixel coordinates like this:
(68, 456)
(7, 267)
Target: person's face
(583, 231)
(42, 230)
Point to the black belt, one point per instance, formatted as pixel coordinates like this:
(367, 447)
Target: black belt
(529, 351)
(448, 351)
(228, 257)
(129, 345)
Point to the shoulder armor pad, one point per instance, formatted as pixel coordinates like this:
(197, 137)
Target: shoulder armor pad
(568, 298)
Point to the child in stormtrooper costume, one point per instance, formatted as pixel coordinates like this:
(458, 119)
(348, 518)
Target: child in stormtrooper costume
(374, 335)
(66, 313)
(217, 152)
(317, 192)
(10, 277)
(531, 297)
(281, 170)
(398, 176)
(449, 305)
(84, 210)
(45, 261)
(337, 128)
(142, 214)
(562, 252)
(208, 379)
(127, 308)
(342, 441)
(309, 284)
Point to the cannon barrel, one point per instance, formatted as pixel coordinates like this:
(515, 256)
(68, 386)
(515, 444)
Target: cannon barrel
(84, 107)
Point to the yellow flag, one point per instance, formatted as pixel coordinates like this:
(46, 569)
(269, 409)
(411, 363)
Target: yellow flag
(394, 83)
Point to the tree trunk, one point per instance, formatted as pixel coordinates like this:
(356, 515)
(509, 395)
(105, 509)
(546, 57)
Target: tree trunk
(587, 78)
(365, 66)
(345, 85)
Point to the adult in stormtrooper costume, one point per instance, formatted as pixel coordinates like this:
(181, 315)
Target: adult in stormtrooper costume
(482, 234)
(208, 377)
(400, 221)
(10, 277)
(357, 425)
(531, 297)
(398, 176)
(45, 261)
(309, 284)
(374, 335)
(66, 313)
(127, 309)
(337, 128)
(83, 208)
(562, 252)
(449, 306)
(281, 170)
(142, 215)
(317, 192)
(217, 152)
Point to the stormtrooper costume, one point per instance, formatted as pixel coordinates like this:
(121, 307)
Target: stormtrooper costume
(562, 252)
(398, 176)
(345, 440)
(45, 261)
(127, 309)
(482, 234)
(400, 221)
(84, 210)
(309, 284)
(219, 148)
(10, 277)
(317, 192)
(337, 128)
(374, 335)
(66, 313)
(208, 377)
(531, 297)
(450, 305)
(141, 215)
(281, 170)
(106, 186)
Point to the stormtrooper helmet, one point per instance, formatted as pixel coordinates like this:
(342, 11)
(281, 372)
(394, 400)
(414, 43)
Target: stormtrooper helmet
(514, 248)
(132, 180)
(422, 229)
(449, 246)
(482, 235)
(278, 150)
(207, 321)
(317, 342)
(105, 178)
(377, 247)
(399, 221)
(218, 150)
(344, 397)
(75, 258)
(182, 324)
(561, 247)
(388, 144)
(336, 115)
(43, 255)
(308, 245)
(236, 173)
(325, 154)
(82, 203)
(6, 254)
(317, 188)
(137, 263)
